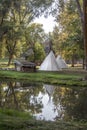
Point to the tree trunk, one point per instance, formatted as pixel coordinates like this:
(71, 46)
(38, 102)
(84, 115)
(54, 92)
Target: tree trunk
(10, 59)
(83, 64)
(72, 65)
(80, 12)
(83, 16)
(11, 51)
(85, 30)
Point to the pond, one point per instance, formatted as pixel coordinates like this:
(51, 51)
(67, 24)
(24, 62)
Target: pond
(44, 101)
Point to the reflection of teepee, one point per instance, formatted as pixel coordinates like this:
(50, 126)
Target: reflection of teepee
(60, 111)
(50, 64)
(61, 63)
(49, 90)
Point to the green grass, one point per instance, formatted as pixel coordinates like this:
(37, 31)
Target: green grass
(71, 76)
(60, 78)
(14, 120)
(15, 113)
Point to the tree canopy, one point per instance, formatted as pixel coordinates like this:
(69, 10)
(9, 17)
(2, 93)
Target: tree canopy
(17, 33)
(15, 18)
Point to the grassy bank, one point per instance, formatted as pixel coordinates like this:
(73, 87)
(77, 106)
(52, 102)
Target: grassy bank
(14, 120)
(61, 78)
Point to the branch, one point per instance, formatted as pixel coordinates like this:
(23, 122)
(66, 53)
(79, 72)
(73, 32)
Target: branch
(80, 11)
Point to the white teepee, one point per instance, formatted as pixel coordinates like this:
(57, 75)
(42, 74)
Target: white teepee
(49, 64)
(61, 63)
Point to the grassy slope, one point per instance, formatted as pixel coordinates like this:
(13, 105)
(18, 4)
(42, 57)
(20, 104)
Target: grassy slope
(63, 77)
(12, 120)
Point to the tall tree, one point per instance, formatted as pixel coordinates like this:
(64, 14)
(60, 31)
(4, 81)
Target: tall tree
(34, 34)
(85, 30)
(4, 10)
(83, 15)
(81, 6)
(67, 38)
(16, 19)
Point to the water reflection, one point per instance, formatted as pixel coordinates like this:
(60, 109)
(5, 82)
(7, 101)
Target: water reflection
(45, 101)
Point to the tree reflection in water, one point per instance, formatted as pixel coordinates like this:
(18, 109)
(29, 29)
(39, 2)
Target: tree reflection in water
(47, 102)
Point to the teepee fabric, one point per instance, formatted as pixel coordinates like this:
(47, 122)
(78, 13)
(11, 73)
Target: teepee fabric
(61, 63)
(49, 64)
